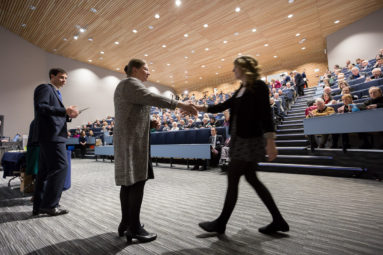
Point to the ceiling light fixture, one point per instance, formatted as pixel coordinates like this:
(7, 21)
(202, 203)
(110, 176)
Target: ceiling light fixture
(200, 78)
(118, 69)
(303, 48)
(65, 39)
(207, 49)
(168, 64)
(101, 52)
(178, 2)
(291, 1)
(32, 7)
(150, 27)
(89, 60)
(290, 16)
(225, 41)
(186, 57)
(82, 30)
(222, 59)
(298, 34)
(203, 66)
(117, 43)
(157, 16)
(266, 45)
(205, 25)
(275, 56)
(146, 55)
(236, 33)
(93, 10)
(303, 40)
(186, 35)
(23, 25)
(254, 30)
(238, 9)
(336, 21)
(163, 45)
(134, 31)
(90, 39)
(75, 37)
(193, 51)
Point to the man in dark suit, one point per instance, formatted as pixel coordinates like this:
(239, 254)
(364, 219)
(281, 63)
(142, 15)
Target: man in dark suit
(299, 82)
(51, 132)
(216, 144)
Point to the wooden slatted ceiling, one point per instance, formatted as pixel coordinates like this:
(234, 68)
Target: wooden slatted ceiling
(54, 20)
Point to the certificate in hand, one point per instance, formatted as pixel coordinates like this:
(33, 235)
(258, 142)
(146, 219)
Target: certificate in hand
(84, 109)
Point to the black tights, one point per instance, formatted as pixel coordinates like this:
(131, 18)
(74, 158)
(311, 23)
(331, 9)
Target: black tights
(131, 200)
(235, 171)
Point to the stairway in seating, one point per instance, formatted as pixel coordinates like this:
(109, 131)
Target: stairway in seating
(293, 152)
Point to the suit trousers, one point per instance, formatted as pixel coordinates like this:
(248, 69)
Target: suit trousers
(51, 176)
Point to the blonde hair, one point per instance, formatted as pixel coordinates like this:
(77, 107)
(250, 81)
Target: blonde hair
(249, 67)
(347, 96)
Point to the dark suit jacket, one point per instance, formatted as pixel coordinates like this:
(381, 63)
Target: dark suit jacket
(50, 115)
(299, 80)
(218, 142)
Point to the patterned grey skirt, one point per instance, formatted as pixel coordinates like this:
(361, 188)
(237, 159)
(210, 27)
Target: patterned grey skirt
(246, 149)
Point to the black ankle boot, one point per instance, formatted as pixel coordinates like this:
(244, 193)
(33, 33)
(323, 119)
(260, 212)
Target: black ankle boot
(274, 227)
(213, 226)
(141, 235)
(121, 229)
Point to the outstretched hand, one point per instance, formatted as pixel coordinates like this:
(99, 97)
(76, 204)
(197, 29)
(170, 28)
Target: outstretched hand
(188, 108)
(271, 149)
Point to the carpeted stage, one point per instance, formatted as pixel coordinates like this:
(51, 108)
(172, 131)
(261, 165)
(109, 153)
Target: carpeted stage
(327, 215)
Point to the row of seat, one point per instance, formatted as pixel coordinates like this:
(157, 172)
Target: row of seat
(361, 85)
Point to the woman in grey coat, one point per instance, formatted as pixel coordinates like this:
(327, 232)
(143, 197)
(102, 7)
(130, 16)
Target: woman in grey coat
(132, 102)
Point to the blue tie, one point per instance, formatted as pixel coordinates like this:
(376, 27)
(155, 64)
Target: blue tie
(58, 92)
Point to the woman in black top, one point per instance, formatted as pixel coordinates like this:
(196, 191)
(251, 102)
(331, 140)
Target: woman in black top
(250, 125)
(82, 141)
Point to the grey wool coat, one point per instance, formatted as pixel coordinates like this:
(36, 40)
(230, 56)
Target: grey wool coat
(132, 102)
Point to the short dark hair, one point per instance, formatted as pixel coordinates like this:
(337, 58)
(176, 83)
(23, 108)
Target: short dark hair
(55, 71)
(137, 63)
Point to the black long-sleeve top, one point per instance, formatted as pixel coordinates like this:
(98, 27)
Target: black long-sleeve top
(252, 110)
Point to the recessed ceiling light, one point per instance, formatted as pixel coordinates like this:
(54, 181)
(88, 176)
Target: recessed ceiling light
(186, 57)
(150, 63)
(238, 9)
(266, 45)
(118, 69)
(146, 55)
(186, 71)
(275, 56)
(89, 60)
(82, 30)
(150, 27)
(100, 58)
(200, 78)
(170, 76)
(23, 25)
(163, 45)
(205, 25)
(75, 37)
(117, 43)
(303, 40)
(134, 31)
(65, 39)
(101, 52)
(54, 49)
(206, 49)
(216, 73)
(222, 59)
(203, 66)
(168, 64)
(153, 70)
(257, 54)
(178, 2)
(186, 35)
(90, 39)
(254, 30)
(225, 41)
(236, 33)
(93, 10)
(298, 34)
(303, 48)
(157, 16)
(336, 21)
(239, 54)
(291, 1)
(193, 51)
(290, 16)
(32, 7)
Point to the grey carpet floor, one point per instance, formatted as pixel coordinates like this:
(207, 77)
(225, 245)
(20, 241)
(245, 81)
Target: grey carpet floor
(327, 215)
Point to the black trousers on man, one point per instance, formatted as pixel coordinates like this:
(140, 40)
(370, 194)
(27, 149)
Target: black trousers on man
(50, 181)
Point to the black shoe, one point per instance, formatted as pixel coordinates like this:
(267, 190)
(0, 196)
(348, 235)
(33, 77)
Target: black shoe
(122, 228)
(141, 235)
(35, 212)
(54, 211)
(212, 226)
(204, 168)
(274, 227)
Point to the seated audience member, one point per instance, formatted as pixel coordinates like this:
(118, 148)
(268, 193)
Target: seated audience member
(375, 101)
(225, 157)
(275, 111)
(76, 134)
(190, 124)
(327, 90)
(91, 133)
(346, 90)
(181, 126)
(166, 127)
(327, 98)
(322, 110)
(174, 126)
(82, 142)
(216, 143)
(376, 74)
(275, 84)
(355, 73)
(277, 99)
(213, 122)
(310, 107)
(342, 84)
(379, 62)
(69, 134)
(205, 123)
(364, 66)
(154, 125)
